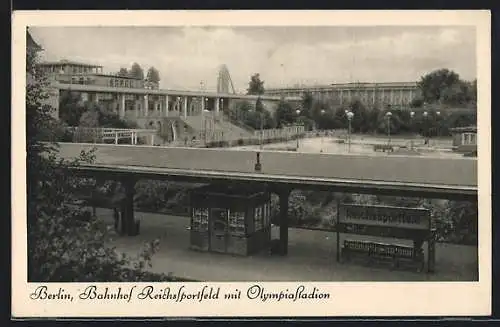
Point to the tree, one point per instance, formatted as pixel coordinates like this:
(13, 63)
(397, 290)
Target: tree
(71, 107)
(285, 114)
(153, 75)
(307, 105)
(259, 106)
(136, 71)
(359, 121)
(123, 72)
(441, 86)
(65, 243)
(417, 102)
(255, 86)
(90, 118)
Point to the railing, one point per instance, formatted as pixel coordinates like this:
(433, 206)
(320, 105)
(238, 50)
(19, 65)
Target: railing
(218, 139)
(327, 133)
(101, 135)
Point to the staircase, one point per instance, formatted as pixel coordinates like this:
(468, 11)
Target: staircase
(217, 124)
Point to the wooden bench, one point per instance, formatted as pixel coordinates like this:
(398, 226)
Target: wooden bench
(386, 222)
(383, 147)
(396, 255)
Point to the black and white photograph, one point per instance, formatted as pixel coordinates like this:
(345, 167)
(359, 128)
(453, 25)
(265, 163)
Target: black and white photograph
(211, 162)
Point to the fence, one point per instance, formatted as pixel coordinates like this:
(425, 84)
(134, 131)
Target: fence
(105, 135)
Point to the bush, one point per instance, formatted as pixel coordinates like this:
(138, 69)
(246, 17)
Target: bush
(65, 244)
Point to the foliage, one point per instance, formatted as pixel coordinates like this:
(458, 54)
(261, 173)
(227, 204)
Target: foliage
(136, 71)
(255, 86)
(153, 75)
(64, 243)
(445, 86)
(90, 119)
(71, 107)
(285, 114)
(123, 72)
(244, 112)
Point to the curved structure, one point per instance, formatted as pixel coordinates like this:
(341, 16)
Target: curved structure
(224, 81)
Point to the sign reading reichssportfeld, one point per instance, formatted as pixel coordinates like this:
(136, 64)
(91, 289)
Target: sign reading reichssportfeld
(396, 217)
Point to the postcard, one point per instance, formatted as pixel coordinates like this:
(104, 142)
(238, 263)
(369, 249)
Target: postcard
(251, 164)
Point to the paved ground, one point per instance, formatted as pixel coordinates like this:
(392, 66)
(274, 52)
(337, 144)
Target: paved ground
(362, 145)
(311, 257)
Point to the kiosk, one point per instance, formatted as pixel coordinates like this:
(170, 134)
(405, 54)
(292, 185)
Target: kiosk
(230, 219)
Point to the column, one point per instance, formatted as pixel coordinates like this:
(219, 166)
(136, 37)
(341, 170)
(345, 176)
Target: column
(431, 252)
(185, 106)
(146, 105)
(284, 195)
(217, 103)
(96, 97)
(137, 104)
(167, 104)
(122, 106)
(128, 219)
(132, 138)
(152, 139)
(392, 96)
(341, 96)
(202, 105)
(373, 96)
(116, 137)
(401, 97)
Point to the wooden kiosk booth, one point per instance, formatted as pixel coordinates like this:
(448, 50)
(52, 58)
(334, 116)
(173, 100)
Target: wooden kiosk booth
(230, 219)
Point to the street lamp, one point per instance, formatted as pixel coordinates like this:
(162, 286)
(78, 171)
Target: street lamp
(322, 112)
(438, 114)
(297, 127)
(388, 115)
(427, 128)
(412, 114)
(350, 116)
(261, 129)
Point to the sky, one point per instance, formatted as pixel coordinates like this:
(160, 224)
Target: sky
(190, 57)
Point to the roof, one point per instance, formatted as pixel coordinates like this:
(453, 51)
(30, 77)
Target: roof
(391, 169)
(117, 76)
(68, 62)
(347, 85)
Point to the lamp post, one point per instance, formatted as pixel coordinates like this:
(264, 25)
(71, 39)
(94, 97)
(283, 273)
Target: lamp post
(322, 112)
(425, 114)
(297, 127)
(438, 114)
(261, 129)
(412, 114)
(388, 116)
(350, 116)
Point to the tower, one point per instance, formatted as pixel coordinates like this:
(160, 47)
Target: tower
(224, 82)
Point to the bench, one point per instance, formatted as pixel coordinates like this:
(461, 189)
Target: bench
(396, 255)
(383, 147)
(386, 222)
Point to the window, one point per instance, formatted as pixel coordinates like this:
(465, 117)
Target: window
(237, 223)
(258, 221)
(200, 219)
